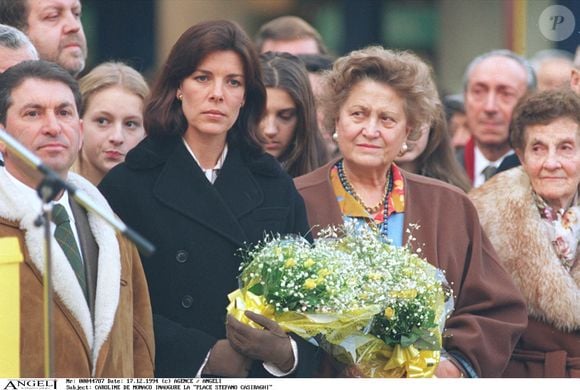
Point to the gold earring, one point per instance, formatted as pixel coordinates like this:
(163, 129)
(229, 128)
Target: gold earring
(180, 96)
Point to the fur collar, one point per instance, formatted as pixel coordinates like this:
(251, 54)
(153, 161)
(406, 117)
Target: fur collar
(24, 207)
(513, 224)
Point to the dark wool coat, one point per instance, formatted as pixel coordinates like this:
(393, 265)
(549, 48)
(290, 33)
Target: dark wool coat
(489, 311)
(550, 346)
(197, 229)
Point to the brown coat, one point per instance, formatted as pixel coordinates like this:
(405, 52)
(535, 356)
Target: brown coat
(550, 346)
(119, 341)
(489, 312)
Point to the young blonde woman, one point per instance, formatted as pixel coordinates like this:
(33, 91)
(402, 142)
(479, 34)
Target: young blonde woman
(113, 95)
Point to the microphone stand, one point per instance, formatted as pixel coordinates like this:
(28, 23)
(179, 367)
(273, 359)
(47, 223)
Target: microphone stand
(47, 293)
(48, 189)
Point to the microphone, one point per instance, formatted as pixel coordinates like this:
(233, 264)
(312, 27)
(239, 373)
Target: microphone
(145, 246)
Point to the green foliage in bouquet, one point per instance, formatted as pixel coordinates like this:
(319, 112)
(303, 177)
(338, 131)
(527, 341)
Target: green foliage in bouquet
(293, 275)
(371, 304)
(414, 297)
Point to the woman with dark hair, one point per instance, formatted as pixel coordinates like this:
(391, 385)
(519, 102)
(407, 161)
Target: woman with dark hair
(200, 187)
(432, 155)
(289, 130)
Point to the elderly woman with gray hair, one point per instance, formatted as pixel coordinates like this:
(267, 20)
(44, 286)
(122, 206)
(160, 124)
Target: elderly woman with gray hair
(532, 216)
(377, 99)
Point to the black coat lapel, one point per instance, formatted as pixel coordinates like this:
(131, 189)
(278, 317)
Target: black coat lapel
(183, 187)
(237, 185)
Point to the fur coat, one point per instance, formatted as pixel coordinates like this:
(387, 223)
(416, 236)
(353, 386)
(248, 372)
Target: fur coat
(551, 344)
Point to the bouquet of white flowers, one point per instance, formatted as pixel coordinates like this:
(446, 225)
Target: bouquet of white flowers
(368, 303)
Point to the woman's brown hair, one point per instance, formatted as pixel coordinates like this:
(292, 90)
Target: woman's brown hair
(438, 159)
(307, 151)
(163, 113)
(403, 71)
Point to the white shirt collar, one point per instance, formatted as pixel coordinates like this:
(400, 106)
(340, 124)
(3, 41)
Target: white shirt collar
(481, 163)
(212, 173)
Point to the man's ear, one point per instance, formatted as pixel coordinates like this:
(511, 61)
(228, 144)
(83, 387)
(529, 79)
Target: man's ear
(575, 81)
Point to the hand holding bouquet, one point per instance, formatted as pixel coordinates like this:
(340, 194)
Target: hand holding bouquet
(305, 288)
(371, 305)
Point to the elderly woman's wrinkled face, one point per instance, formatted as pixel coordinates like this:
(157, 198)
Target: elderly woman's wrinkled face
(551, 159)
(371, 125)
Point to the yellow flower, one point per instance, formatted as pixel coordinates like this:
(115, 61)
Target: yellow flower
(375, 276)
(309, 284)
(309, 263)
(290, 263)
(324, 272)
(407, 271)
(405, 294)
(389, 313)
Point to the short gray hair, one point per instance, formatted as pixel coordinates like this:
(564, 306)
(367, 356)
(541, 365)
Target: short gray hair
(12, 38)
(550, 54)
(530, 74)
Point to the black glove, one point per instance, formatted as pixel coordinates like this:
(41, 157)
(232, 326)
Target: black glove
(270, 344)
(225, 361)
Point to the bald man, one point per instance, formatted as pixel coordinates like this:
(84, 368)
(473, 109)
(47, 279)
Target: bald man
(493, 84)
(53, 26)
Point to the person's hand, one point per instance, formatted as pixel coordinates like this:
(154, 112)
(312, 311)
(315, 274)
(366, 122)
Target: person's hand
(447, 369)
(270, 344)
(225, 361)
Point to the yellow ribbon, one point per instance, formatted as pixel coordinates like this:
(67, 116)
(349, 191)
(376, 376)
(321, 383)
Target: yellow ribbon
(374, 357)
(336, 326)
(397, 362)
(415, 363)
(242, 300)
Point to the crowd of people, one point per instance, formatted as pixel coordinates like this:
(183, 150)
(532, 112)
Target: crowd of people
(238, 138)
